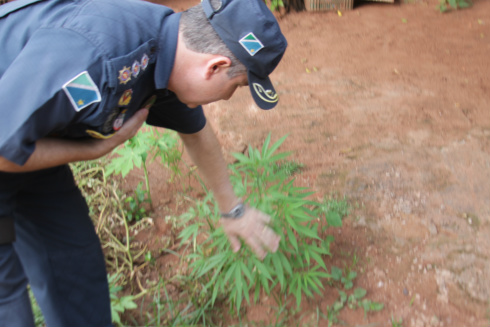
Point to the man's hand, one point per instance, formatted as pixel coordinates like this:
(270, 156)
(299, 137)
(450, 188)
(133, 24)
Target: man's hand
(127, 131)
(51, 152)
(253, 229)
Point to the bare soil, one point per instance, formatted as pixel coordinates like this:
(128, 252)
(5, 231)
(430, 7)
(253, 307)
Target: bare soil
(387, 105)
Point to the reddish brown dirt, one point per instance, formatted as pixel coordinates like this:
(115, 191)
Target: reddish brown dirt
(387, 105)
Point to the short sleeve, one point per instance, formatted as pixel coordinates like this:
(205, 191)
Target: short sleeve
(170, 113)
(52, 83)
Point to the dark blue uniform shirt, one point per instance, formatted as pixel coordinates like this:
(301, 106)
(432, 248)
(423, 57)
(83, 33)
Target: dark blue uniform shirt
(80, 68)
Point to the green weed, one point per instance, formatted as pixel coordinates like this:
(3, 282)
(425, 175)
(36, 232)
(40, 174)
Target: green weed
(134, 205)
(119, 304)
(445, 5)
(353, 301)
(274, 4)
(147, 143)
(190, 308)
(346, 280)
(396, 323)
(297, 267)
(107, 210)
(38, 315)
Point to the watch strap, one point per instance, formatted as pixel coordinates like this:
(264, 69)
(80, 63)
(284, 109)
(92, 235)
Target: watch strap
(235, 213)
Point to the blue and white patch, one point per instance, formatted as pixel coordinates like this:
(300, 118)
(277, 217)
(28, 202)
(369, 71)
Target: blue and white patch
(82, 91)
(251, 43)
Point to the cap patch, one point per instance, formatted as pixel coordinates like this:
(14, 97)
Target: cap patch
(266, 95)
(82, 91)
(251, 43)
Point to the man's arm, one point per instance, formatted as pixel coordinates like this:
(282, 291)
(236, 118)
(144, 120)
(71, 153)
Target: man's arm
(51, 152)
(205, 150)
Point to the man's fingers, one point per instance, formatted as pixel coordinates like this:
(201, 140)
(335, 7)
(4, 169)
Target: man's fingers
(235, 243)
(269, 238)
(254, 230)
(256, 247)
(265, 218)
(137, 120)
(131, 127)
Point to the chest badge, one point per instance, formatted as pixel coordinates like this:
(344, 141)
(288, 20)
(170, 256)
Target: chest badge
(124, 75)
(144, 61)
(125, 98)
(136, 68)
(119, 121)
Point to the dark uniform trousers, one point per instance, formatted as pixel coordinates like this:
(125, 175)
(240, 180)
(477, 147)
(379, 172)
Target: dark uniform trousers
(56, 251)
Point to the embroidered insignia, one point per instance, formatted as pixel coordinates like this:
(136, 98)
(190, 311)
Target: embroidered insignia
(150, 102)
(119, 121)
(82, 91)
(124, 75)
(125, 98)
(144, 61)
(97, 135)
(251, 43)
(136, 68)
(266, 95)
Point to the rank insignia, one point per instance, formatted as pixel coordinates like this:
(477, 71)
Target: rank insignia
(82, 91)
(144, 61)
(125, 98)
(119, 121)
(124, 75)
(136, 68)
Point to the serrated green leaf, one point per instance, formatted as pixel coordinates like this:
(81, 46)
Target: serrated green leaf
(229, 271)
(317, 257)
(262, 269)
(297, 294)
(279, 270)
(278, 143)
(211, 263)
(285, 262)
(279, 156)
(238, 279)
(305, 231)
(292, 240)
(240, 157)
(266, 145)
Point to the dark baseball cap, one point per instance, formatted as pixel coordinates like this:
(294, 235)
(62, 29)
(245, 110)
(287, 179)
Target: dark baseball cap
(251, 32)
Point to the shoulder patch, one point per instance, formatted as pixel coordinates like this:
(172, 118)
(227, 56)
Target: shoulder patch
(82, 91)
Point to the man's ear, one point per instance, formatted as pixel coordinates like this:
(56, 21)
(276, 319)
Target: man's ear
(216, 65)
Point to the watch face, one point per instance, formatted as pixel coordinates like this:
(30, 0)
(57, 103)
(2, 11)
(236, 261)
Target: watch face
(236, 212)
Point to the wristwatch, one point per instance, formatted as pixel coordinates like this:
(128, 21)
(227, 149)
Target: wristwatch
(235, 213)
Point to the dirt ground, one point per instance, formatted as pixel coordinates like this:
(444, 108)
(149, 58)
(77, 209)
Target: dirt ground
(389, 106)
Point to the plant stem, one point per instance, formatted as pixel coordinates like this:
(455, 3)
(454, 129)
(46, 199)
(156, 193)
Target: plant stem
(147, 180)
